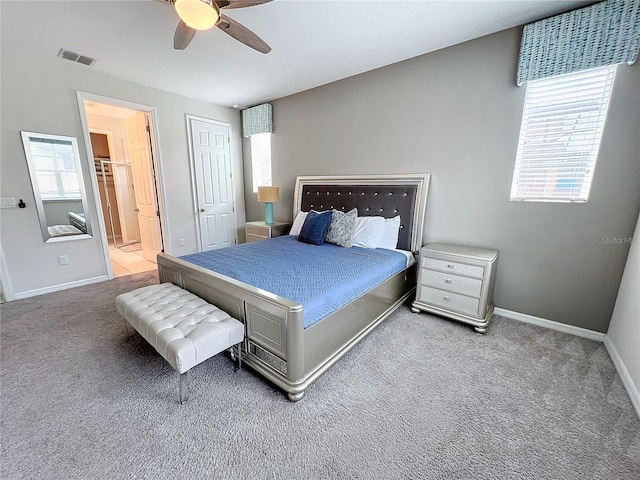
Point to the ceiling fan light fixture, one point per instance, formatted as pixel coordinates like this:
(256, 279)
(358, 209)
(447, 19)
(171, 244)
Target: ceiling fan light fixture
(198, 14)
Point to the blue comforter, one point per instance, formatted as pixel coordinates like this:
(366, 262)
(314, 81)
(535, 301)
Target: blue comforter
(321, 278)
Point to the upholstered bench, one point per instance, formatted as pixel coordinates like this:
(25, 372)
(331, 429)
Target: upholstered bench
(182, 327)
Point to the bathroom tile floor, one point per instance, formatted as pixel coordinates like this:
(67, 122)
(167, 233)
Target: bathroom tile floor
(126, 263)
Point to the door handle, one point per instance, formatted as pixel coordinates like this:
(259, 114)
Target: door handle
(202, 210)
(136, 209)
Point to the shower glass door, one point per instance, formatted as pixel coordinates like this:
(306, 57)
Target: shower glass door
(121, 203)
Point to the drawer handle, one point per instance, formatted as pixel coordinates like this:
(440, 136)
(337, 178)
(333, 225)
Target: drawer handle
(448, 281)
(450, 265)
(447, 299)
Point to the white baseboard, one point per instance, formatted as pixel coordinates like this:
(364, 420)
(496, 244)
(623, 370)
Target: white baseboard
(632, 389)
(5, 281)
(542, 322)
(57, 288)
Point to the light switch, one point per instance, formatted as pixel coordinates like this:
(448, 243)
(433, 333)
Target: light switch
(8, 202)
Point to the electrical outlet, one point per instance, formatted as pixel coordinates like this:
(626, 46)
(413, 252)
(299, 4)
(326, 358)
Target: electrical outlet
(181, 242)
(64, 260)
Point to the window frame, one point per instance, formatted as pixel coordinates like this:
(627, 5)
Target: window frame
(56, 168)
(559, 141)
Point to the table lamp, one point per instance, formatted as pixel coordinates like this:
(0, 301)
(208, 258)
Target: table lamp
(268, 195)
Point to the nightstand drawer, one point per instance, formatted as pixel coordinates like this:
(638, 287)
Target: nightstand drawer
(453, 267)
(451, 283)
(450, 301)
(257, 231)
(255, 238)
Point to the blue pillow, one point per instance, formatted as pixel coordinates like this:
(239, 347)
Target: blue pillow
(315, 227)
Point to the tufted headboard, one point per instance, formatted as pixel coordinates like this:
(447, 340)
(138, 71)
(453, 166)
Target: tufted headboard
(373, 195)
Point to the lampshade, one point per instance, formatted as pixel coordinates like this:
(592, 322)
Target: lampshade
(198, 14)
(268, 194)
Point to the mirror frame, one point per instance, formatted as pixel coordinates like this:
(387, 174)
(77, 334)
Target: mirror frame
(36, 189)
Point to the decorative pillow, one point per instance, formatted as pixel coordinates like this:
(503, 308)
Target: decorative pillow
(342, 227)
(315, 228)
(368, 232)
(389, 239)
(297, 223)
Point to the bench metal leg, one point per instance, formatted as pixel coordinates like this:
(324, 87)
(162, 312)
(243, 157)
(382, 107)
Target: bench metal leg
(239, 354)
(185, 379)
(236, 355)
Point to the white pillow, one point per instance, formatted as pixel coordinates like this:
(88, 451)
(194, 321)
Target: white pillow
(297, 223)
(368, 232)
(389, 239)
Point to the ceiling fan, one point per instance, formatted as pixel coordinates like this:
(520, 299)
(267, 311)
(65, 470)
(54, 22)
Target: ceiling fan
(205, 14)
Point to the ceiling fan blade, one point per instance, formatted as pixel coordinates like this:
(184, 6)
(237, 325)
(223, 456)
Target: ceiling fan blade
(242, 34)
(242, 3)
(183, 36)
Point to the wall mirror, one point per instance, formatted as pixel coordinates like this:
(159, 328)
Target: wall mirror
(58, 186)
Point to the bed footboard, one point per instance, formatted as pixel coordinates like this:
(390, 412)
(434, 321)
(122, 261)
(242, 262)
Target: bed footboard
(276, 344)
(274, 325)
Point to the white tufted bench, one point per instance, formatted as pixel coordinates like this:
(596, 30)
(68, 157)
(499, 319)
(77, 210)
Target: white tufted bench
(182, 327)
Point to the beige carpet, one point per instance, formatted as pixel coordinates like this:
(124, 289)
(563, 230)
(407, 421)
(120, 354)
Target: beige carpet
(85, 397)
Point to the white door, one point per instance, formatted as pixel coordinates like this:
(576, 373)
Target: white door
(211, 157)
(145, 187)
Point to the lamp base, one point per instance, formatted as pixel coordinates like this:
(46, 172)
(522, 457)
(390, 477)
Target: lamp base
(268, 213)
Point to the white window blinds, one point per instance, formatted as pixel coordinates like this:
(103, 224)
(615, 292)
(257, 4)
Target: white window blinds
(261, 160)
(55, 169)
(560, 135)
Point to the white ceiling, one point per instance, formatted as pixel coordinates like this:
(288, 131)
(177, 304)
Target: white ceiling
(313, 42)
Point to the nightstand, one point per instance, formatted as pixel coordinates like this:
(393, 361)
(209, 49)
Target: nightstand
(457, 282)
(256, 231)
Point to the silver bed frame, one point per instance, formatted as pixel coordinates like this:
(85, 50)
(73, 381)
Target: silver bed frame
(276, 345)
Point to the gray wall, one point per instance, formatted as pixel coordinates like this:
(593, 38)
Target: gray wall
(456, 113)
(39, 95)
(624, 331)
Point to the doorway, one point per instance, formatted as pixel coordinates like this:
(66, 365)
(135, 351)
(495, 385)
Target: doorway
(117, 191)
(120, 140)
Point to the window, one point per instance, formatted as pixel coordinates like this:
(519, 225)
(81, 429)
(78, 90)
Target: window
(560, 135)
(261, 160)
(55, 168)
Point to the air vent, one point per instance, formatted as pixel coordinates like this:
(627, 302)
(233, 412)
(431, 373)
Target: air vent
(75, 57)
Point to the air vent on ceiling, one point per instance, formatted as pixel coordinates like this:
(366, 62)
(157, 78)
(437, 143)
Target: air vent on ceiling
(74, 57)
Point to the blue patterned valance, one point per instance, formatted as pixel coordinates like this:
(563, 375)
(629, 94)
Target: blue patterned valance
(606, 33)
(258, 119)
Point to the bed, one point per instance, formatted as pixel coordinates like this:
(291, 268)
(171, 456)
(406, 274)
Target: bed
(77, 220)
(56, 231)
(277, 345)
